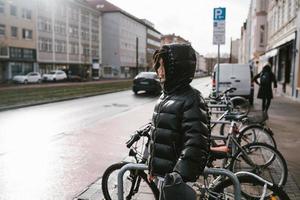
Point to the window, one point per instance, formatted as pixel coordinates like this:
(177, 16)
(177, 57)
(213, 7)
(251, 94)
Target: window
(27, 34)
(44, 24)
(15, 52)
(74, 14)
(262, 35)
(60, 28)
(14, 31)
(85, 17)
(73, 31)
(2, 7)
(95, 51)
(13, 10)
(74, 48)
(85, 50)
(85, 34)
(3, 51)
(26, 13)
(2, 30)
(28, 53)
(60, 46)
(45, 44)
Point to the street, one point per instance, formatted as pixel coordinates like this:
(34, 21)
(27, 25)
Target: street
(54, 151)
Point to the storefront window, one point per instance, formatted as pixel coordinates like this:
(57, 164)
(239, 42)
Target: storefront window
(16, 68)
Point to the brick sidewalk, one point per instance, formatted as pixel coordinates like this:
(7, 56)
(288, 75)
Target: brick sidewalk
(284, 120)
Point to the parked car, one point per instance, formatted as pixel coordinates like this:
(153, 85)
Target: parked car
(57, 75)
(146, 81)
(238, 76)
(31, 77)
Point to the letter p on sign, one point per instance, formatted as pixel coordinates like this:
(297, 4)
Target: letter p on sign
(219, 14)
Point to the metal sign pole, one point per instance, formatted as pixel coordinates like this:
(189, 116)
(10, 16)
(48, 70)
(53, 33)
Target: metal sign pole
(218, 71)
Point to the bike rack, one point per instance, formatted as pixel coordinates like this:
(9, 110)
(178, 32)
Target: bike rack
(232, 176)
(207, 171)
(121, 174)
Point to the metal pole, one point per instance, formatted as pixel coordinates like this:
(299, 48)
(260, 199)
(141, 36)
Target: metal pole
(234, 179)
(121, 174)
(137, 55)
(218, 71)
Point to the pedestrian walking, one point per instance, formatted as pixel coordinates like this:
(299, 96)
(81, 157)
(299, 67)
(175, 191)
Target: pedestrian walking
(180, 124)
(266, 78)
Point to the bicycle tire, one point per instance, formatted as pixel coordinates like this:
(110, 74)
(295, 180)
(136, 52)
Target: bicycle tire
(274, 192)
(262, 135)
(240, 105)
(139, 173)
(277, 173)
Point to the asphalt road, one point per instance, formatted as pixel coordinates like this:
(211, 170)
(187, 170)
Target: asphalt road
(53, 151)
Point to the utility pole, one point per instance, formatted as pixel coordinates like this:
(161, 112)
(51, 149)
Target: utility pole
(137, 55)
(230, 55)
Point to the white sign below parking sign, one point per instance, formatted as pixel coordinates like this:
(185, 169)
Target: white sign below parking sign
(219, 26)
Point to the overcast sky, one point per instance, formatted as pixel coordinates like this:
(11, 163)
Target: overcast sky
(191, 19)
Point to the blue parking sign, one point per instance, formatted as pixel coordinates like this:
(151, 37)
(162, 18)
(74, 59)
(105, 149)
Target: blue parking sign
(219, 14)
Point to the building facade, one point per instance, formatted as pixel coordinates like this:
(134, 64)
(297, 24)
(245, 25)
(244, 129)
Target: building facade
(68, 37)
(17, 38)
(152, 44)
(172, 38)
(124, 41)
(281, 48)
(234, 52)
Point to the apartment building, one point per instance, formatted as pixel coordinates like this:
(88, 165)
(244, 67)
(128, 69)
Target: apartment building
(68, 37)
(172, 38)
(17, 38)
(281, 48)
(124, 41)
(152, 44)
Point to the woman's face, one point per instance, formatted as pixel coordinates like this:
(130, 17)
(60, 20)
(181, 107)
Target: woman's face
(161, 71)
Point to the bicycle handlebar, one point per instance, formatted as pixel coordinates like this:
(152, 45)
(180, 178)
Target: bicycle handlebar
(139, 133)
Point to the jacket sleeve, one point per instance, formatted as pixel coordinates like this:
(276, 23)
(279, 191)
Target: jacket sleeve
(193, 157)
(255, 78)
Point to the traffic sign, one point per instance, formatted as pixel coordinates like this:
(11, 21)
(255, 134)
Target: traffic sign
(219, 26)
(219, 14)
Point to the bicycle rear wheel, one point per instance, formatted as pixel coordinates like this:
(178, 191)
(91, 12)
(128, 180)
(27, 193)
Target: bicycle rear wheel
(240, 105)
(136, 184)
(256, 133)
(251, 187)
(263, 160)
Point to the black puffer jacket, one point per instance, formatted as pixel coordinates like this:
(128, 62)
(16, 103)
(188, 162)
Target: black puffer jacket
(179, 138)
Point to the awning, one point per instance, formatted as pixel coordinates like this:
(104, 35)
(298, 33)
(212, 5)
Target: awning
(271, 53)
(285, 40)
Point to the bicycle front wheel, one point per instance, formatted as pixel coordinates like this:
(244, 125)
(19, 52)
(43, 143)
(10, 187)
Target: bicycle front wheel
(136, 184)
(263, 160)
(251, 188)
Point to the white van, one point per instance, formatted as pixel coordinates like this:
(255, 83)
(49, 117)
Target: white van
(234, 75)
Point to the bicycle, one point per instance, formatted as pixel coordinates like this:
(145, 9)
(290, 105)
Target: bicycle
(259, 158)
(238, 104)
(136, 179)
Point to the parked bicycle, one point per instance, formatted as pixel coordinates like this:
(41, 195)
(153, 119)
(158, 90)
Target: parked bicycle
(136, 181)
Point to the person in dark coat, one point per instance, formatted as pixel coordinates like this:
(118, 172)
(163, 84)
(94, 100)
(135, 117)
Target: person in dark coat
(180, 123)
(265, 93)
